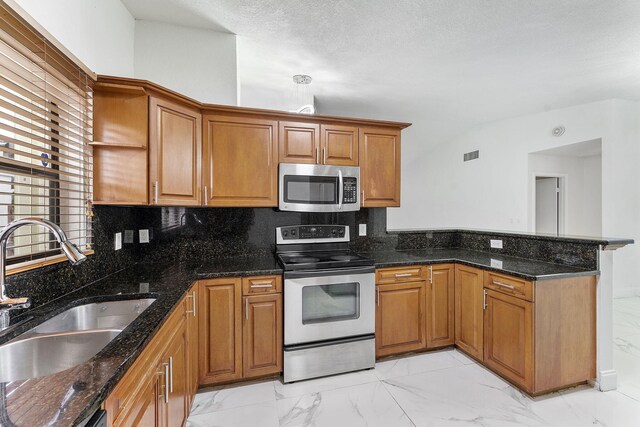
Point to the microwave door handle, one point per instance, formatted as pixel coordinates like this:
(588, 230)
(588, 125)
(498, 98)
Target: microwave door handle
(340, 189)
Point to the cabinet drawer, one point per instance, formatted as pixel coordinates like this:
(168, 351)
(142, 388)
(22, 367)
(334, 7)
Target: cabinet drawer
(509, 285)
(261, 285)
(401, 274)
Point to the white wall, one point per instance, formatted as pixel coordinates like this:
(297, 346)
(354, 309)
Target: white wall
(492, 192)
(198, 63)
(583, 192)
(98, 32)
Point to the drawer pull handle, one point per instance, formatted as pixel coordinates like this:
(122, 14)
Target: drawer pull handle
(403, 274)
(504, 285)
(261, 286)
(193, 303)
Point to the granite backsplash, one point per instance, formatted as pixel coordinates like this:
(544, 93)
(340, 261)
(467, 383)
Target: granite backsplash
(197, 235)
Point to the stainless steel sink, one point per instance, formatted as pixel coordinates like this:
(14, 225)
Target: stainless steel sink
(68, 339)
(46, 355)
(102, 315)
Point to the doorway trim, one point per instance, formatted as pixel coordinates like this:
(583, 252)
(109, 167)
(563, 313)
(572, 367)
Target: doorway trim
(563, 208)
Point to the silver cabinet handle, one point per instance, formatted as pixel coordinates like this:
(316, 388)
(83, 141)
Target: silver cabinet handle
(378, 296)
(504, 285)
(246, 308)
(170, 374)
(362, 197)
(430, 274)
(193, 303)
(324, 156)
(484, 299)
(317, 155)
(162, 395)
(206, 195)
(260, 286)
(166, 382)
(403, 274)
(340, 189)
(155, 192)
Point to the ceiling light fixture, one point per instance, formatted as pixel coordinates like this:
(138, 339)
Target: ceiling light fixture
(302, 97)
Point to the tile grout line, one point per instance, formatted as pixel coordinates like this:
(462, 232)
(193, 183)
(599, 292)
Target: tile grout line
(397, 403)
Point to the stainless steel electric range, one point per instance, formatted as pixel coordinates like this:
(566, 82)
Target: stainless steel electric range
(329, 302)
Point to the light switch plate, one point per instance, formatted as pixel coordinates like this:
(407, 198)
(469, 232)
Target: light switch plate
(144, 236)
(118, 241)
(128, 236)
(362, 229)
(496, 244)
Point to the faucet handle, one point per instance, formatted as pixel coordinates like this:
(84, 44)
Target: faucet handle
(15, 303)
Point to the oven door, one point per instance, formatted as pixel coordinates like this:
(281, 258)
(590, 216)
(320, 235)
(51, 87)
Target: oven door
(318, 188)
(327, 305)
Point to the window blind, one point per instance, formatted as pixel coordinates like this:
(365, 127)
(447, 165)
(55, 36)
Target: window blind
(46, 110)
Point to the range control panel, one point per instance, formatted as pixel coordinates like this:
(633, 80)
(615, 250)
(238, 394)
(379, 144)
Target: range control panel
(312, 233)
(350, 190)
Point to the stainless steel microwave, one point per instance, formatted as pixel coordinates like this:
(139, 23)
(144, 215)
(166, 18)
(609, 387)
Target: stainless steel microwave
(318, 188)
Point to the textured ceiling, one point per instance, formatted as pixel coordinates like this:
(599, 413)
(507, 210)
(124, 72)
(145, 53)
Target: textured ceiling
(445, 65)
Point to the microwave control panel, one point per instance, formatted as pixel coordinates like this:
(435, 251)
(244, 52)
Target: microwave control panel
(350, 190)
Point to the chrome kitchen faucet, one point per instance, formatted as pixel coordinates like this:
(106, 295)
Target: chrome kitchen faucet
(69, 249)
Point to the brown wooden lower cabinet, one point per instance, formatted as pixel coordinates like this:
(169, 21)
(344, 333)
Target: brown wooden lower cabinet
(468, 310)
(240, 336)
(440, 305)
(157, 389)
(400, 318)
(508, 338)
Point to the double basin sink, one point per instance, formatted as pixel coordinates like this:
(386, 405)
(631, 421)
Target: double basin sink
(68, 339)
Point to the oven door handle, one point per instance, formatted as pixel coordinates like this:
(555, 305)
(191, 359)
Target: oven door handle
(303, 274)
(340, 189)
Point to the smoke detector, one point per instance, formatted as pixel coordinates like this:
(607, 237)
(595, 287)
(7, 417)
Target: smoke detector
(302, 79)
(558, 131)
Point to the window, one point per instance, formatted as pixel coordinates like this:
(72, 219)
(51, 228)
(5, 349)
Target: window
(45, 135)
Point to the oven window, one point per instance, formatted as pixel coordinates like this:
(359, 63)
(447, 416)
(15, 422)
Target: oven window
(330, 303)
(317, 190)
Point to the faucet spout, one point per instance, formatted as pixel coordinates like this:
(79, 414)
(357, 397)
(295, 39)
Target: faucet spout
(71, 251)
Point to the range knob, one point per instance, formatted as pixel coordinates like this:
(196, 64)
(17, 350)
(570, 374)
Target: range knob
(334, 231)
(294, 232)
(285, 233)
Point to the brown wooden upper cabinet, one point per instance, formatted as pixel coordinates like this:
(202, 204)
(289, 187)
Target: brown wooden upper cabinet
(379, 167)
(312, 143)
(240, 161)
(175, 138)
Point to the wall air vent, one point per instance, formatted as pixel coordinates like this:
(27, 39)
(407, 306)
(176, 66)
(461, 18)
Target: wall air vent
(471, 155)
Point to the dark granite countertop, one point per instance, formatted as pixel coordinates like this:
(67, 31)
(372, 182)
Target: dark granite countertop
(519, 267)
(605, 242)
(70, 396)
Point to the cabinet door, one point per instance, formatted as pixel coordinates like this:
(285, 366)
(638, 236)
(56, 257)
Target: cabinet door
(178, 378)
(469, 308)
(339, 145)
(142, 411)
(440, 305)
(220, 330)
(175, 147)
(299, 142)
(400, 318)
(262, 335)
(240, 161)
(380, 167)
(508, 338)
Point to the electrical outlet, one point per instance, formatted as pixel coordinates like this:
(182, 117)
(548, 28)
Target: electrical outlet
(144, 235)
(128, 236)
(144, 287)
(118, 241)
(495, 263)
(362, 229)
(496, 244)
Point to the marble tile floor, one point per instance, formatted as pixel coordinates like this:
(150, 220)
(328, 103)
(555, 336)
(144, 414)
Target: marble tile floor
(442, 388)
